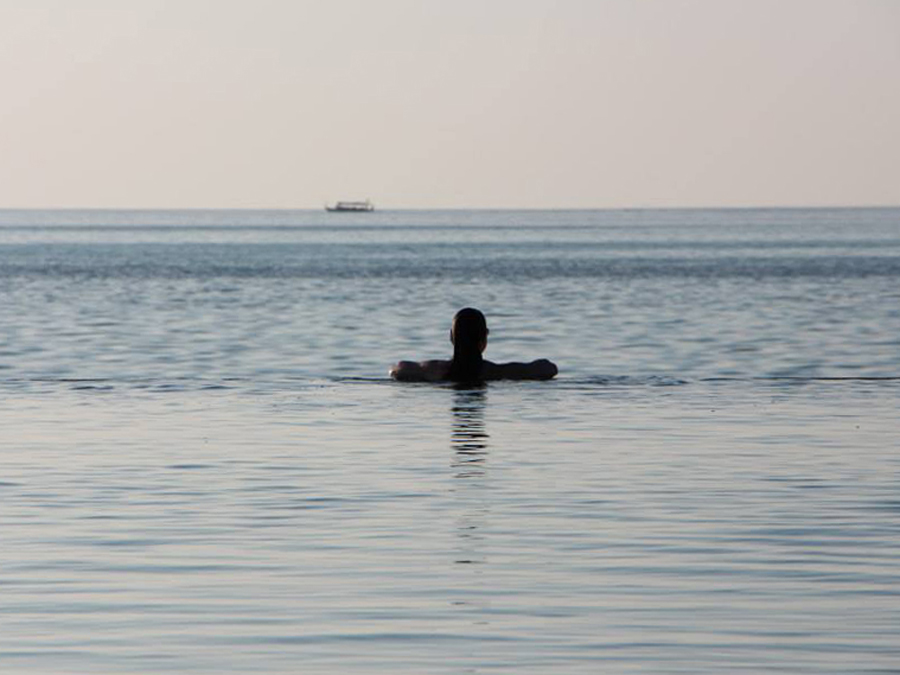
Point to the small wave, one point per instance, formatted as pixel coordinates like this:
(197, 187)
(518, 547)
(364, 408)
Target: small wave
(801, 379)
(97, 385)
(625, 381)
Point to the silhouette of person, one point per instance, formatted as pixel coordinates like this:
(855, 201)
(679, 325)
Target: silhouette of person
(469, 334)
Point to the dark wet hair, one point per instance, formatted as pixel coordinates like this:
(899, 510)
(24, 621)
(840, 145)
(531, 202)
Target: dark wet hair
(468, 332)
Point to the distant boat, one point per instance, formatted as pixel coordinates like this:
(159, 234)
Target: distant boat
(355, 207)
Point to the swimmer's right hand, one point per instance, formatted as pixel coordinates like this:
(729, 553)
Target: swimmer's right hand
(545, 369)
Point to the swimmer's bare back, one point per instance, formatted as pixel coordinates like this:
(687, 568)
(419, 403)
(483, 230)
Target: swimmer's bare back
(469, 337)
(436, 371)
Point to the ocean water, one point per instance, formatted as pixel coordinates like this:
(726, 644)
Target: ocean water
(204, 468)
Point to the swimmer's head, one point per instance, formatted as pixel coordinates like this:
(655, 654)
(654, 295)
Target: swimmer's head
(469, 331)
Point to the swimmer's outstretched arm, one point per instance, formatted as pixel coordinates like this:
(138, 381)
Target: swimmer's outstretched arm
(542, 369)
(413, 371)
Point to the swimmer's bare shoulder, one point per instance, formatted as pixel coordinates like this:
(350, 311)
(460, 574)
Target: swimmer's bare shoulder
(420, 371)
(541, 369)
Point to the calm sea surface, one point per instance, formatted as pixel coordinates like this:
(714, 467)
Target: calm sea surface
(204, 469)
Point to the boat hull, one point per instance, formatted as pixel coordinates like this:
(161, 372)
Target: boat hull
(351, 207)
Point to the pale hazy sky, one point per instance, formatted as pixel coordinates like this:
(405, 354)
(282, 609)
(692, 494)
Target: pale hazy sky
(449, 103)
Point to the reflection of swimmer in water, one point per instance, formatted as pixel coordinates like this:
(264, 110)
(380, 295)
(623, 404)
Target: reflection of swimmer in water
(469, 337)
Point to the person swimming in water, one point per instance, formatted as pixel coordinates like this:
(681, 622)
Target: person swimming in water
(469, 334)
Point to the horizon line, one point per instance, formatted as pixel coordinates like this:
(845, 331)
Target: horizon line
(463, 208)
